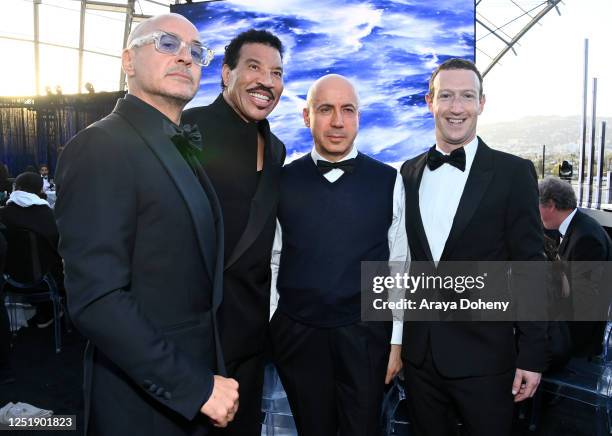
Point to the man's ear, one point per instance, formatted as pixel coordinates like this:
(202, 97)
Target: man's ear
(483, 100)
(225, 74)
(429, 100)
(306, 116)
(127, 62)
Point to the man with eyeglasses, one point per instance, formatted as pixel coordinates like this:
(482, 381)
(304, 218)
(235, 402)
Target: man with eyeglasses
(243, 159)
(142, 240)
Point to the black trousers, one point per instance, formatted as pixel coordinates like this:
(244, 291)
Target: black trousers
(334, 377)
(483, 404)
(249, 373)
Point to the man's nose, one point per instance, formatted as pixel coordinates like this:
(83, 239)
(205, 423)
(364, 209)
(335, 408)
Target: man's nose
(266, 79)
(337, 119)
(184, 54)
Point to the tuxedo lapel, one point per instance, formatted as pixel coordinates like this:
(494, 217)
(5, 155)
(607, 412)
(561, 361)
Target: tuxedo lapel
(476, 185)
(412, 175)
(263, 202)
(197, 201)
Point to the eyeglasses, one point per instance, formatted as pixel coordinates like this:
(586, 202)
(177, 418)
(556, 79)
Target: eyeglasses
(169, 43)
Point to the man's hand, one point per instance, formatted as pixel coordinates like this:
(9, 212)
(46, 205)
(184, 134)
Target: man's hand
(395, 363)
(222, 405)
(525, 384)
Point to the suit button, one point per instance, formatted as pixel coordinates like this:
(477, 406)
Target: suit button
(167, 395)
(147, 383)
(153, 388)
(159, 391)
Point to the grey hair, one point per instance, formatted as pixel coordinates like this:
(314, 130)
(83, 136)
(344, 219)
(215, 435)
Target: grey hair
(561, 193)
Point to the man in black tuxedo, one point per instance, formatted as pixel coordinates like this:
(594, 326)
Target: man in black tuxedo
(582, 239)
(141, 236)
(243, 160)
(468, 202)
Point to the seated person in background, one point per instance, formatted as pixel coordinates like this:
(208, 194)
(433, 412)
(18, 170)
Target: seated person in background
(6, 372)
(6, 186)
(582, 239)
(43, 170)
(26, 210)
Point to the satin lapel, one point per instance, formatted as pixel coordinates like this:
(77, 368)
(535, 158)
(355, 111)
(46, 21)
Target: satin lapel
(187, 183)
(476, 185)
(413, 176)
(262, 204)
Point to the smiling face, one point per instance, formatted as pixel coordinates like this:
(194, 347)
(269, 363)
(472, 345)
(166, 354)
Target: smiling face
(161, 78)
(455, 104)
(254, 87)
(332, 116)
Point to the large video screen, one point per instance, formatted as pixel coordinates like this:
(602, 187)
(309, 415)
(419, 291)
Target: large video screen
(388, 48)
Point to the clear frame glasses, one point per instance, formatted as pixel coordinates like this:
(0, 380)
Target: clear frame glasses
(169, 43)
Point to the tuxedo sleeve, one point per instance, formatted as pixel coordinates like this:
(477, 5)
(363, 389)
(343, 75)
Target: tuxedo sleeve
(525, 239)
(97, 215)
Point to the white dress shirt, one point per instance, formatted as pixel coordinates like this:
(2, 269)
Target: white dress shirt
(566, 222)
(46, 184)
(398, 241)
(439, 195)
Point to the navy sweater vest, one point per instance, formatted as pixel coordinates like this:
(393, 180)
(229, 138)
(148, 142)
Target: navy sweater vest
(328, 230)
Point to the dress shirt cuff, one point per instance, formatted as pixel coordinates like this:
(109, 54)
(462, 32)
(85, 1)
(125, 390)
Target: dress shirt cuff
(397, 332)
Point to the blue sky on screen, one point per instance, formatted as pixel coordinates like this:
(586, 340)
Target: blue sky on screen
(388, 48)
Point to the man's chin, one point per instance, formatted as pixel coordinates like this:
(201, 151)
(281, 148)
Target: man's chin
(257, 114)
(180, 97)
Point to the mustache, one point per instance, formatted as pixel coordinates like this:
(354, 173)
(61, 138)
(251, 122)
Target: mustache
(264, 89)
(181, 70)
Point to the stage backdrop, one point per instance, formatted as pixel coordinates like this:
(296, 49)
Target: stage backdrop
(388, 48)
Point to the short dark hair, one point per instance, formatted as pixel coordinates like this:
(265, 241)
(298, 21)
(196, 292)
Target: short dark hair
(560, 192)
(29, 182)
(455, 64)
(251, 36)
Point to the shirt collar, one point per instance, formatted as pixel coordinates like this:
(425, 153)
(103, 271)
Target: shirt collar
(566, 222)
(316, 156)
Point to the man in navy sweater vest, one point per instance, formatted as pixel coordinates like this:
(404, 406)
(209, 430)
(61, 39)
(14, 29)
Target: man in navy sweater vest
(337, 208)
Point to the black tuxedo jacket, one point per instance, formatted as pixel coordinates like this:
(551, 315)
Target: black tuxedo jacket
(497, 220)
(585, 240)
(139, 235)
(244, 313)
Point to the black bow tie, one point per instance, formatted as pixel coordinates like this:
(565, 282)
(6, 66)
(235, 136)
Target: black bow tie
(345, 165)
(184, 136)
(435, 159)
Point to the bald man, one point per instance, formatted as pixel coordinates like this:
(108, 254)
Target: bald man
(141, 237)
(338, 207)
